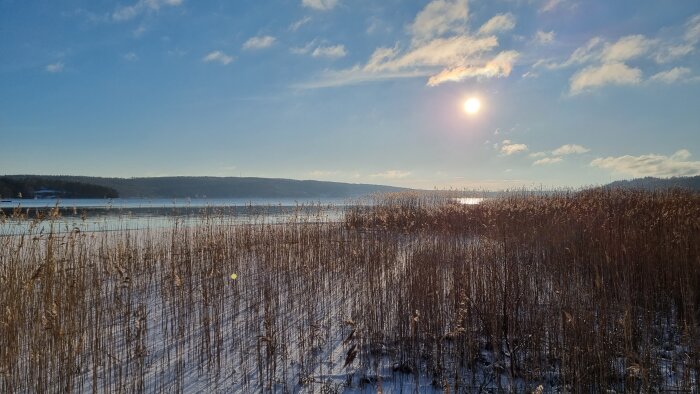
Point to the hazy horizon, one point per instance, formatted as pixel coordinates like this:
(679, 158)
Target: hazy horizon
(483, 188)
(569, 93)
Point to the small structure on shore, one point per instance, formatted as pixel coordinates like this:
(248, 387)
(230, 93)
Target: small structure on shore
(46, 193)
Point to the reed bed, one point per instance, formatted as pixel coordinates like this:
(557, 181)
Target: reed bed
(585, 292)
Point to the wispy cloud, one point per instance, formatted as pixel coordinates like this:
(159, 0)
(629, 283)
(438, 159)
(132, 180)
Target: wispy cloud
(547, 161)
(139, 31)
(219, 57)
(355, 75)
(671, 52)
(500, 66)
(259, 42)
(557, 155)
(508, 148)
(318, 50)
(55, 67)
(679, 47)
(692, 30)
(609, 67)
(620, 62)
(606, 74)
(439, 52)
(673, 75)
(550, 5)
(440, 48)
(651, 164)
(392, 174)
(126, 13)
(298, 24)
(588, 52)
(131, 57)
(544, 37)
(498, 24)
(307, 48)
(321, 5)
(626, 48)
(332, 51)
(440, 17)
(570, 149)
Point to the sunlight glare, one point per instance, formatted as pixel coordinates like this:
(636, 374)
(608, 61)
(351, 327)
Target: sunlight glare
(472, 106)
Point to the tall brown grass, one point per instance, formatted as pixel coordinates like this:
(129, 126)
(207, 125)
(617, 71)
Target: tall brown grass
(579, 291)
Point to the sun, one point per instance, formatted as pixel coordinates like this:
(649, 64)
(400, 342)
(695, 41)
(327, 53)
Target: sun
(472, 106)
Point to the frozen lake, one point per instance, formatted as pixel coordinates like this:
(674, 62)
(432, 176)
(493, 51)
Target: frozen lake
(20, 216)
(138, 203)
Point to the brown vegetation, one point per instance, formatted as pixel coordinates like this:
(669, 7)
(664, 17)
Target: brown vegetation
(581, 291)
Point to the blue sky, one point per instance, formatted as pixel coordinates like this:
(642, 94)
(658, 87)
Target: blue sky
(573, 92)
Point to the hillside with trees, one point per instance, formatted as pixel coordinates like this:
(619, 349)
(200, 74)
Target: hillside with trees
(650, 183)
(193, 187)
(33, 186)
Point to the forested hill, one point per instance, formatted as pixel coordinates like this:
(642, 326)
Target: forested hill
(34, 186)
(219, 187)
(649, 183)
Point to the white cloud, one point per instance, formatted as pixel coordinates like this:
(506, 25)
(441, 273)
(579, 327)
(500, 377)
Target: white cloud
(508, 148)
(681, 46)
(440, 17)
(692, 30)
(392, 174)
(301, 22)
(303, 50)
(597, 50)
(557, 155)
(605, 74)
(55, 67)
(683, 154)
(668, 53)
(550, 5)
(570, 149)
(356, 75)
(500, 66)
(316, 50)
(440, 48)
(584, 54)
(259, 42)
(651, 165)
(333, 51)
(626, 48)
(321, 5)
(438, 52)
(129, 12)
(544, 37)
(670, 76)
(547, 161)
(219, 57)
(608, 63)
(131, 56)
(497, 24)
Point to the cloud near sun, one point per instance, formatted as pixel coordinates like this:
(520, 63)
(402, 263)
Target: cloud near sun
(442, 49)
(444, 44)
